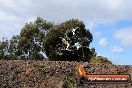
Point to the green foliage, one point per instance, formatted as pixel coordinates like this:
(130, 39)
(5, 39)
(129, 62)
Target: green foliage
(4, 49)
(1, 86)
(86, 54)
(32, 37)
(14, 48)
(83, 35)
(63, 55)
(40, 66)
(52, 41)
(54, 45)
(101, 59)
(29, 44)
(70, 82)
(43, 37)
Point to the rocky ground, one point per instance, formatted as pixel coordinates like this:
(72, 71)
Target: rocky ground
(55, 74)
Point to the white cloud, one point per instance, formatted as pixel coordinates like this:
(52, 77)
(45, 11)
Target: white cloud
(91, 11)
(97, 34)
(58, 10)
(114, 3)
(116, 49)
(6, 17)
(124, 36)
(90, 25)
(103, 42)
(7, 3)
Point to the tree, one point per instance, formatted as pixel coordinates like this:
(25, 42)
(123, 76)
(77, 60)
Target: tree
(56, 49)
(68, 41)
(4, 45)
(32, 37)
(101, 59)
(14, 48)
(86, 54)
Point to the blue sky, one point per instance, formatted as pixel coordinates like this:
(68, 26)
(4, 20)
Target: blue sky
(112, 47)
(110, 21)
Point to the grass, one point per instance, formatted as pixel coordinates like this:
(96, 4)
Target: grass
(70, 82)
(40, 65)
(1, 86)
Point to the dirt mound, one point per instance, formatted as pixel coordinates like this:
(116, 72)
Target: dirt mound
(54, 74)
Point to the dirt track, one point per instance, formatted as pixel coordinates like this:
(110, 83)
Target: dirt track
(51, 74)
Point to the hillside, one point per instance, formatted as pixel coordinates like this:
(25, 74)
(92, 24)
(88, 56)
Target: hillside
(54, 74)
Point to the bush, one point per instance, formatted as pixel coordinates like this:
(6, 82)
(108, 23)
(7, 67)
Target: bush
(100, 59)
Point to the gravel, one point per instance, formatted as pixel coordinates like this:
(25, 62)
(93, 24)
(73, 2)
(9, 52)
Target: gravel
(54, 74)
